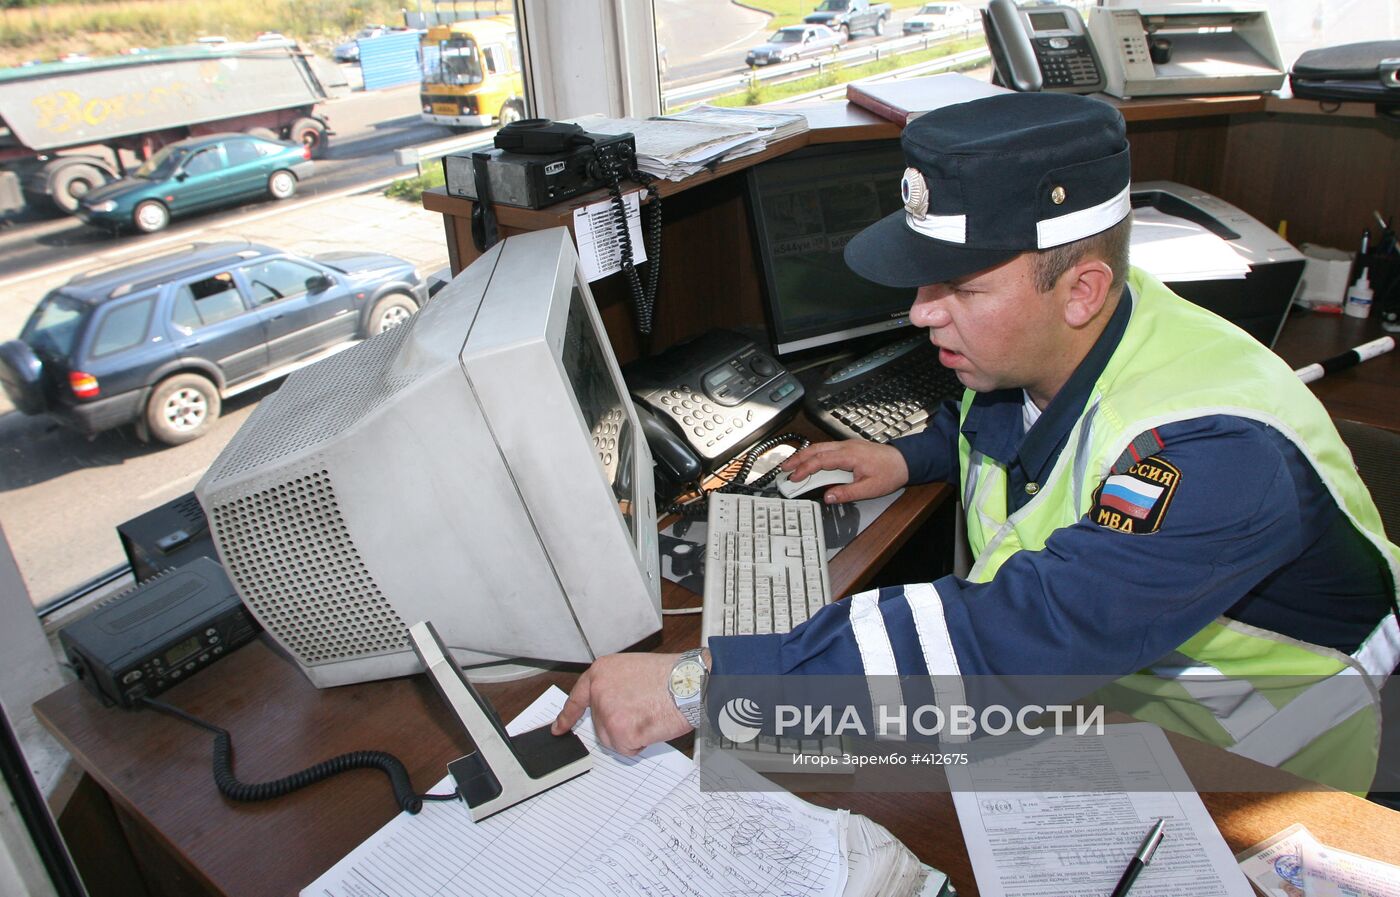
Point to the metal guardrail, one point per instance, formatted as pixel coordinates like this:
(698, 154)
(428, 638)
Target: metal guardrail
(426, 154)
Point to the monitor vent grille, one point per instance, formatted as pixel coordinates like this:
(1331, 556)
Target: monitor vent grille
(292, 558)
(308, 410)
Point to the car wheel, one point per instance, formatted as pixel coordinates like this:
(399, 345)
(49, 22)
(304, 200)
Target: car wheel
(390, 312)
(309, 133)
(71, 183)
(182, 408)
(150, 216)
(262, 133)
(510, 112)
(281, 185)
(879, 26)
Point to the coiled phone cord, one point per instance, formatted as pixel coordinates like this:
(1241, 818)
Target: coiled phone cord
(701, 506)
(643, 300)
(233, 789)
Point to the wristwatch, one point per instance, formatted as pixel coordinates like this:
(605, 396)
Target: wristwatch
(687, 685)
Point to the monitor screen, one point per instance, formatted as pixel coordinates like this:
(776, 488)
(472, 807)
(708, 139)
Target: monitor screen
(476, 467)
(806, 206)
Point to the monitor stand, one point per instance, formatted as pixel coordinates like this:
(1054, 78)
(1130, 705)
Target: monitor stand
(504, 770)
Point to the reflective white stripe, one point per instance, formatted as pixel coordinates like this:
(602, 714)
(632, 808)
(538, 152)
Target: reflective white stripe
(1236, 705)
(876, 653)
(937, 647)
(948, 228)
(932, 628)
(1380, 653)
(1083, 223)
(1320, 709)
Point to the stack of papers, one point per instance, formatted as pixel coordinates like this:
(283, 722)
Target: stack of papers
(1174, 249)
(675, 150)
(771, 126)
(632, 826)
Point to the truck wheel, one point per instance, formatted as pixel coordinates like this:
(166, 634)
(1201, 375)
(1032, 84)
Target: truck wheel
(150, 216)
(72, 182)
(281, 185)
(389, 312)
(262, 133)
(510, 112)
(879, 25)
(182, 408)
(309, 133)
(22, 376)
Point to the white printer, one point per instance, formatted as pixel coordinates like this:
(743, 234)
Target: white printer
(1259, 302)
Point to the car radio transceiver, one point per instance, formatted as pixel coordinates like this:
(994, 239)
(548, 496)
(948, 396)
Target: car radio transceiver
(156, 634)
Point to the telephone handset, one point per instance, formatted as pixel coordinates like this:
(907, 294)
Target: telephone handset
(1041, 48)
(704, 401)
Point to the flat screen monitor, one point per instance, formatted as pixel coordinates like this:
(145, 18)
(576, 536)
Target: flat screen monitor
(478, 467)
(806, 206)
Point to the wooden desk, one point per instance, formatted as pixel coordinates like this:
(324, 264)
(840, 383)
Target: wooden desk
(188, 840)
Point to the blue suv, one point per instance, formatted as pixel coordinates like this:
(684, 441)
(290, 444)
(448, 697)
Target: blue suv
(161, 343)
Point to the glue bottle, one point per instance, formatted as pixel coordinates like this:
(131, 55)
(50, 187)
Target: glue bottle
(1359, 296)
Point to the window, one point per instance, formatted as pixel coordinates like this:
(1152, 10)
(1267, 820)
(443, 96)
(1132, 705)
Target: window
(489, 55)
(277, 279)
(203, 162)
(241, 151)
(122, 327)
(206, 302)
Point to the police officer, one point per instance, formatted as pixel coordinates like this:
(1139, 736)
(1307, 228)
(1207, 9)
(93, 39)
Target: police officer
(1148, 490)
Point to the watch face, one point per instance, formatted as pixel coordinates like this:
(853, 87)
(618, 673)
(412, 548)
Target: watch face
(687, 678)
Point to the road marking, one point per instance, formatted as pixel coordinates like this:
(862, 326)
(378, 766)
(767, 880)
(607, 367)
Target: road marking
(145, 247)
(171, 487)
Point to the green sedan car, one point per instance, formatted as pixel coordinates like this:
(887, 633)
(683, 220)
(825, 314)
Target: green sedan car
(196, 174)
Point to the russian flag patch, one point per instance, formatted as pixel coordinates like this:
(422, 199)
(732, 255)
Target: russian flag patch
(1136, 500)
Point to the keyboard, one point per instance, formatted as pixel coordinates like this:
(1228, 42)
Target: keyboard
(765, 565)
(889, 393)
(765, 572)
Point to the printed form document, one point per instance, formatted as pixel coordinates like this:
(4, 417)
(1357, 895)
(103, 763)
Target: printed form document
(631, 826)
(1028, 842)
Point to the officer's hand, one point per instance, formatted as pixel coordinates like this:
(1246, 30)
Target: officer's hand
(879, 469)
(631, 701)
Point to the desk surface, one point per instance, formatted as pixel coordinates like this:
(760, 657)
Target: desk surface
(158, 769)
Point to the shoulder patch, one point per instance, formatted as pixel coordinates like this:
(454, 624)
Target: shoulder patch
(1136, 500)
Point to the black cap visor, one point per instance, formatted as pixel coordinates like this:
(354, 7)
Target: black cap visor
(889, 252)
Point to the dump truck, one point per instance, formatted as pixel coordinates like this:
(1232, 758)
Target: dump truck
(64, 126)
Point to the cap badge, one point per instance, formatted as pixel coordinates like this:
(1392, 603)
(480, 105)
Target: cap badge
(1057, 196)
(914, 192)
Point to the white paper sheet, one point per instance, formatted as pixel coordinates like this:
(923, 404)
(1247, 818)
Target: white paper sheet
(1044, 843)
(624, 828)
(595, 232)
(1174, 249)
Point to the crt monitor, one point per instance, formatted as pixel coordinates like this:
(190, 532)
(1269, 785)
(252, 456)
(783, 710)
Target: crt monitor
(806, 206)
(478, 467)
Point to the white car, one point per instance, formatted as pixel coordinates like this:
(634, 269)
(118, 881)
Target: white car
(938, 17)
(793, 41)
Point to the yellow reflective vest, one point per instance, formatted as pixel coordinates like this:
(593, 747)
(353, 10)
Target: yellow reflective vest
(1309, 709)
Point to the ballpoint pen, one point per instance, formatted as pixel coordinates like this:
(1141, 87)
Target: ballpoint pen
(1140, 859)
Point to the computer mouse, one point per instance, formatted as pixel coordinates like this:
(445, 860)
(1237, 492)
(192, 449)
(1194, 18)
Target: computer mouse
(790, 488)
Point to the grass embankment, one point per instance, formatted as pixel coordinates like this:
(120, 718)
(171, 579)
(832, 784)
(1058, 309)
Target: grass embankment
(411, 189)
(40, 30)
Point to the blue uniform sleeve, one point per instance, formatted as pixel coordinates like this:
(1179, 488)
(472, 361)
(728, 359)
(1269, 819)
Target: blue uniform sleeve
(932, 454)
(1095, 600)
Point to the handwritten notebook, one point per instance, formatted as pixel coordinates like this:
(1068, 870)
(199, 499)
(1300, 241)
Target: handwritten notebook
(631, 826)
